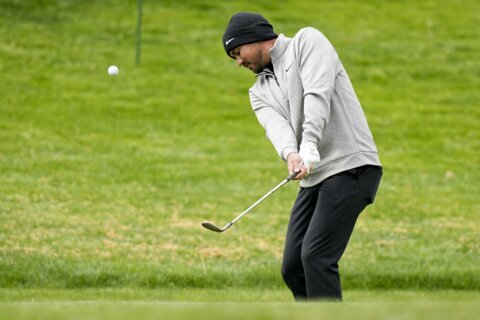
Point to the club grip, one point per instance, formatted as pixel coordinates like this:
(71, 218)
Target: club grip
(293, 175)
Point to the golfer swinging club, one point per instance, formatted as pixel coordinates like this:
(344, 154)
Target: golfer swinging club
(305, 101)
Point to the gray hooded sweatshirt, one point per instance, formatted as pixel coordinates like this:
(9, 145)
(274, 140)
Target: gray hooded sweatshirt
(309, 97)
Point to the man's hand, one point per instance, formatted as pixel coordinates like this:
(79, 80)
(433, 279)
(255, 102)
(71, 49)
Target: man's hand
(309, 156)
(294, 162)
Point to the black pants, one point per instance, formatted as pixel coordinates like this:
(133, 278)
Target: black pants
(320, 226)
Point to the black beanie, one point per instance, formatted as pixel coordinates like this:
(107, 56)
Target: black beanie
(244, 28)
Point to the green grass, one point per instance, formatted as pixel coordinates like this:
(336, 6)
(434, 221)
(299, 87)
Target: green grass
(232, 304)
(104, 181)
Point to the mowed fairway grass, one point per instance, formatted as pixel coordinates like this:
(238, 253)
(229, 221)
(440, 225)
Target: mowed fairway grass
(104, 181)
(234, 303)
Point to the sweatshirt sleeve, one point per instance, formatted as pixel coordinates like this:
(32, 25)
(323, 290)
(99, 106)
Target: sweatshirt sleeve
(318, 62)
(277, 128)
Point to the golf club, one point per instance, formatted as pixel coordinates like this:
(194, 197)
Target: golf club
(212, 227)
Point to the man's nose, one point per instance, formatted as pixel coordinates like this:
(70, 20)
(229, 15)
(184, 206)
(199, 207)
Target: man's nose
(239, 61)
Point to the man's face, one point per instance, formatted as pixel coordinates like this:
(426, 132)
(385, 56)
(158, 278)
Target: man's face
(251, 56)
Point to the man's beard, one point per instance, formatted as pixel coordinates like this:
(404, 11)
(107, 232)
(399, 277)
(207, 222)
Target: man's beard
(260, 65)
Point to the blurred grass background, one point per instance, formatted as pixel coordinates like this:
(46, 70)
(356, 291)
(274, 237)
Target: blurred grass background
(104, 181)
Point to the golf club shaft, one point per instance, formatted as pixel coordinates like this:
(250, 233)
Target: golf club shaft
(290, 177)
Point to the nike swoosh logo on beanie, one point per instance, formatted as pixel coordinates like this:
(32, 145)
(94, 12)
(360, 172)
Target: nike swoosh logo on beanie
(245, 28)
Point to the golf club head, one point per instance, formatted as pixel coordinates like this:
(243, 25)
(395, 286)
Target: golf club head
(211, 227)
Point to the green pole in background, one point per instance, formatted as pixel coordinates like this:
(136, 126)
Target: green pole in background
(139, 33)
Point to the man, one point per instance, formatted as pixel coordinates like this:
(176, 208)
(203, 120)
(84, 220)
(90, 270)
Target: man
(306, 103)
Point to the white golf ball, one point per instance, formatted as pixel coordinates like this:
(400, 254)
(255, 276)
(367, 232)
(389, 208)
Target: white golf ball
(113, 70)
